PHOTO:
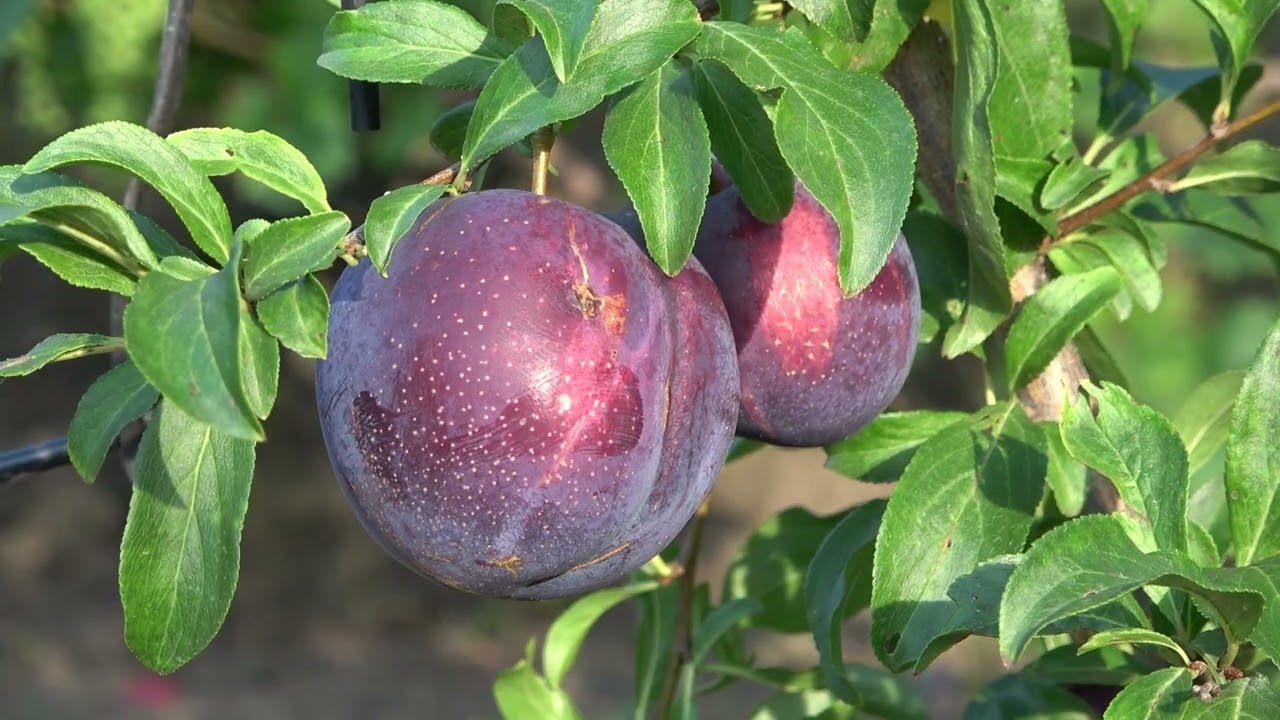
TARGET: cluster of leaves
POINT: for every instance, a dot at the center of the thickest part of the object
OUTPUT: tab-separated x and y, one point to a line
202	339
767	103
778	91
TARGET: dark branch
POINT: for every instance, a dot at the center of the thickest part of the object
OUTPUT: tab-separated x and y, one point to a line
33	458
366	111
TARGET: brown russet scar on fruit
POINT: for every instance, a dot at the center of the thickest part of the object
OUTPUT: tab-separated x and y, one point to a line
510	563
601	558
614	312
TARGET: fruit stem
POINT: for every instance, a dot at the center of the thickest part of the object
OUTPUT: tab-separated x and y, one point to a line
543	140
682	648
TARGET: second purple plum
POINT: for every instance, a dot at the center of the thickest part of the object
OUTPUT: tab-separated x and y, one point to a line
815	366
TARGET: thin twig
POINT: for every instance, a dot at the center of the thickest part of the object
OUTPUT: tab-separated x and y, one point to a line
170	76
682	646
1153	179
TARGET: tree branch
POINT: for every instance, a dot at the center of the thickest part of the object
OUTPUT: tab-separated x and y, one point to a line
1153	179
682	646
923	74
33	458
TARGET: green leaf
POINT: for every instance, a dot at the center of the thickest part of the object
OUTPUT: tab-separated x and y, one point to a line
655	633
449	131
1167	695
1030	104
628	40
1230	217
184	337
1027	697
180	556
1133	636
564	27
1253	457
836	584
1065	476
1262	577
1068	180
113	401
144	154
523	694
164	244
1238	24
1092	560
67	258
940	253
1168	689
1098	359
880	451
989	301
770	567
891	21
832	16
742	140
63	346
1125	17
1139	450
1051	317
1205	416
1105	666
827	119
985	488
1251	167
298	316
656	140
977	596
885	697
719	622
1130	257
411	41
566	634
1202	97
78	212
260	155
250	229
291	248
392	216
260	357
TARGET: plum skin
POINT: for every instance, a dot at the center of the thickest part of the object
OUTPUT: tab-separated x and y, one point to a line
525	407
815	366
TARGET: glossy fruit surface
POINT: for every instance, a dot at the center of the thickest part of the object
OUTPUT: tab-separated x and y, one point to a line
526	407
815	366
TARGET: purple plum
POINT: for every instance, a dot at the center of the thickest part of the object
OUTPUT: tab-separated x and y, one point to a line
526	407
815	366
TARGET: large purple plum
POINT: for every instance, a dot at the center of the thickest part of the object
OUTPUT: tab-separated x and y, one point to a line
526	406
815	366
